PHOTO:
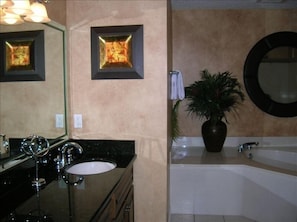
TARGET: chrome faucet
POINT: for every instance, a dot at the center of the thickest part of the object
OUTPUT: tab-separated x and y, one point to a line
66	155
4	146
247	146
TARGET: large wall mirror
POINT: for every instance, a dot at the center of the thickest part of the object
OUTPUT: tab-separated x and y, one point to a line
270	74
37	107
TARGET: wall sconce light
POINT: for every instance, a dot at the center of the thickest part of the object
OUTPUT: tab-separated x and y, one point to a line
13	12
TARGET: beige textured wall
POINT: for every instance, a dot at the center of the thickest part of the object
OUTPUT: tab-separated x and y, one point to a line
219	40
125	109
56	11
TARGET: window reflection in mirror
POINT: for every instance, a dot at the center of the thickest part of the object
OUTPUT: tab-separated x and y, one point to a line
278	74
30	107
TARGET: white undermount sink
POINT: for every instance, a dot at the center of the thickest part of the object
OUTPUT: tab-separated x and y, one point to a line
91	167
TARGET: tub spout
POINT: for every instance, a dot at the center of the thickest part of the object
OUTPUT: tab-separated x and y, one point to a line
247	146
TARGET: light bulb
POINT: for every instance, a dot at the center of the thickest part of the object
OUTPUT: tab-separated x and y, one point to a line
39	13
11	19
20	7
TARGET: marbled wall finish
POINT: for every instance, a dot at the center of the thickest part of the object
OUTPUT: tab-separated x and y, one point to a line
219	40
134	109
56	11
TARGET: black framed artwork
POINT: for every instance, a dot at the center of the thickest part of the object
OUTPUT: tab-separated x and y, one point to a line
117	52
22	56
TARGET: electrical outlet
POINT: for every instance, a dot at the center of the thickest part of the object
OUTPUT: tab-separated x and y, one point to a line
59	121
77	120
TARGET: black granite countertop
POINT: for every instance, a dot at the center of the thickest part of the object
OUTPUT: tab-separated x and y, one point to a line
60	201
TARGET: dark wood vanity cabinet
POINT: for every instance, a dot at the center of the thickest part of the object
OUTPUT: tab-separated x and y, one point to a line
119	206
126	212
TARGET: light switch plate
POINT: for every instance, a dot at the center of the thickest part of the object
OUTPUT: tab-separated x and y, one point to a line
77	120
59	121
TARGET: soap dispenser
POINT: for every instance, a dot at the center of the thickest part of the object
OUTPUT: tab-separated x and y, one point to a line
4	147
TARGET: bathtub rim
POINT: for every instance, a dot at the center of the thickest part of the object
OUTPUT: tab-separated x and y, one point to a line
235	158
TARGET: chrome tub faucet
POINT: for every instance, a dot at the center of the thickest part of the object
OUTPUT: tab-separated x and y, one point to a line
247	146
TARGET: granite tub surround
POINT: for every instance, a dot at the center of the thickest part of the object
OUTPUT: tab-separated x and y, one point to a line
59	200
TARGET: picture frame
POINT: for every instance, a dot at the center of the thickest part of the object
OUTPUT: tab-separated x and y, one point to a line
117	52
22	56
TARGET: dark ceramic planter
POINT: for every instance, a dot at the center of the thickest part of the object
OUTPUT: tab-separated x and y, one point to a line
214	135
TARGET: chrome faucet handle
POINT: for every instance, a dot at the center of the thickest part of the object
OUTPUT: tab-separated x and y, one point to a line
248	145
240	148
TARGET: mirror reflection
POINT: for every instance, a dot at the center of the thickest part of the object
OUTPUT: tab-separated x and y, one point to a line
270	74
278	74
37	107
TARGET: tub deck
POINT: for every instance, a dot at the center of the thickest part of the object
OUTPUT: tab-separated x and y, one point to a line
229	155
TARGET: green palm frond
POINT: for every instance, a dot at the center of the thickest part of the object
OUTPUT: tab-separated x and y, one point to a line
175	131
214	95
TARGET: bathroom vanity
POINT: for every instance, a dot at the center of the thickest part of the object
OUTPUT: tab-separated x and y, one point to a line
66	197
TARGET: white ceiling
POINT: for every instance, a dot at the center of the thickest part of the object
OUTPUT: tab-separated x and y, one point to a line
232	4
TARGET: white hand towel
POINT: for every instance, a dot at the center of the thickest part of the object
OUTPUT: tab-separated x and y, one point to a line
180	86
177	86
173	94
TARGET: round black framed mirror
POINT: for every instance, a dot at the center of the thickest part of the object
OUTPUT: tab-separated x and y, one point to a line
270	74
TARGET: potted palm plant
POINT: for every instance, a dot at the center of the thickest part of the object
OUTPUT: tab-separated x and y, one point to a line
211	98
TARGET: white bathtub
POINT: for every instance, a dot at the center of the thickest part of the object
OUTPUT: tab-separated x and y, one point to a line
285	158
234	189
